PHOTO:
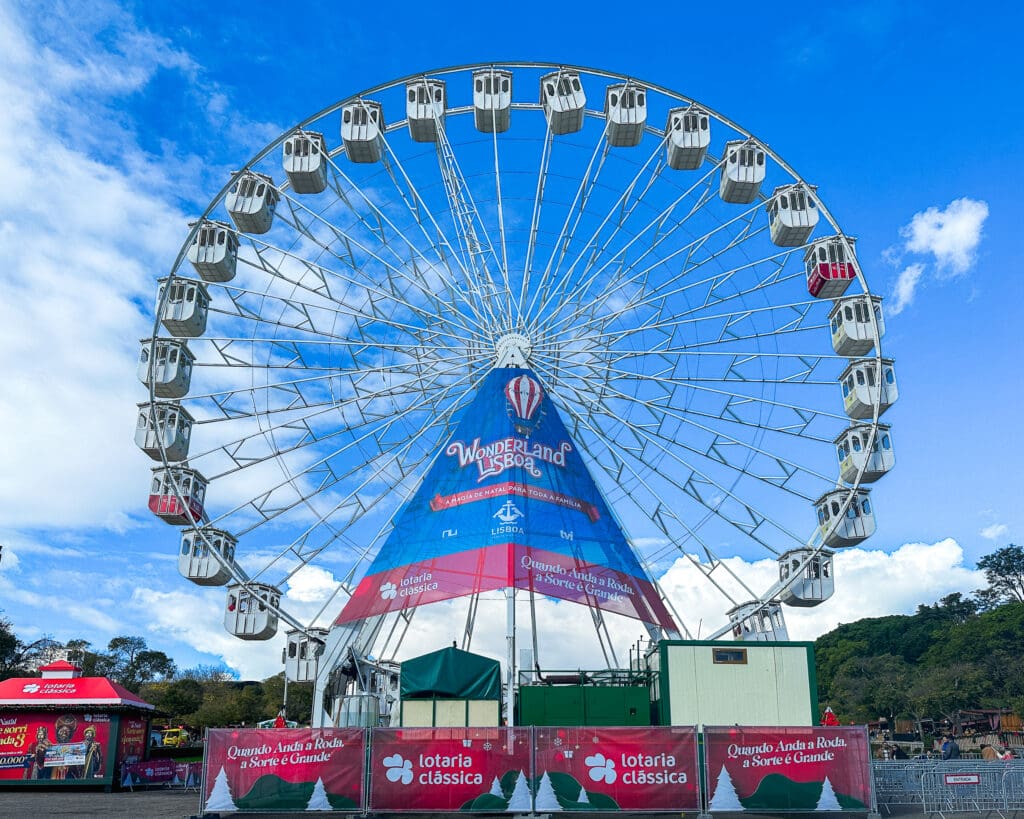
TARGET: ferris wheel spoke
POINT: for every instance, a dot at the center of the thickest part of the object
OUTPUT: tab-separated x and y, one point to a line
665	380
474	238
587	180
355	507
600	300
747	519
316	354
445	281
790	319
590	273
711	299
289	392
538	200
319	320
322	473
338	176
656	510
595	242
511	321
373	298
393	275
356	411
418	208
721	444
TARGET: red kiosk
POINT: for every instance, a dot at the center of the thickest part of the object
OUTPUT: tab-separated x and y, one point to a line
66	729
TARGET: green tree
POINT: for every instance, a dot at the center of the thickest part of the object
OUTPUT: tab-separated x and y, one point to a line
1004	571
869	687
129	661
18	658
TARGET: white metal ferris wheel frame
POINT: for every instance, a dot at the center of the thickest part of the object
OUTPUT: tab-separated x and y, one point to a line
814	544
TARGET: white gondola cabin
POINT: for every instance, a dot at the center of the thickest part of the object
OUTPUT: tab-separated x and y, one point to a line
492	100
839	528
177	494
197	561
214	251
170	371
758	622
425	104
864	386
830	264
689	135
743	171
850	320
165	425
792	214
563	101
855	454
362	131
625	108
301	653
252	201
248	614
186	309
809	576
305	161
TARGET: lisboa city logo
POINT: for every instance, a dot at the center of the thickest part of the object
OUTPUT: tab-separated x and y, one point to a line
635	769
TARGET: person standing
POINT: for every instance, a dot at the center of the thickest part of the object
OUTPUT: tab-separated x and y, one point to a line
950	750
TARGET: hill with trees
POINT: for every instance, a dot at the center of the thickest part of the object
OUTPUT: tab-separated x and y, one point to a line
963	652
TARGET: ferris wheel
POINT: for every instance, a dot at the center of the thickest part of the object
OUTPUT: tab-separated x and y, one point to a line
684	300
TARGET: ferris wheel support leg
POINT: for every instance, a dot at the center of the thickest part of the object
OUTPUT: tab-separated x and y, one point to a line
510	644
343	643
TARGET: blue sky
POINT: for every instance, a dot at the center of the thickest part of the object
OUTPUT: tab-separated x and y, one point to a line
124	121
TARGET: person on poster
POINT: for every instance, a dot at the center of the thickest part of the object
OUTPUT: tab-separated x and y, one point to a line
37	756
829	718
93	767
64	728
279	721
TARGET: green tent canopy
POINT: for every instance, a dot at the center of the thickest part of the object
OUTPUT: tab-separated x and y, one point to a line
451	673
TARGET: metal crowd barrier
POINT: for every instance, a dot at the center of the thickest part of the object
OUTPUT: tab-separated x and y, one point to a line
939	787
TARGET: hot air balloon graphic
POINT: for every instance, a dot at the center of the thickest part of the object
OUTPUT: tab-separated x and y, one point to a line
525	396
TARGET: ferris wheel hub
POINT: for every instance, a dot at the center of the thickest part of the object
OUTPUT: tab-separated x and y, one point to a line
513	350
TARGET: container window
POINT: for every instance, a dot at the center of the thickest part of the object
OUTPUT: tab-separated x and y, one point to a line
886	443
866	506
729	656
860	377
821	516
890	377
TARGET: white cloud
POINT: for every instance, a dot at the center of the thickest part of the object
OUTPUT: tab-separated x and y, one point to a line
994	532
951	235
903	293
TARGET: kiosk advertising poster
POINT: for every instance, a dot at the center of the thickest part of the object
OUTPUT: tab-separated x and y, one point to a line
52	748
616	769
284	769
131	745
793	769
443	769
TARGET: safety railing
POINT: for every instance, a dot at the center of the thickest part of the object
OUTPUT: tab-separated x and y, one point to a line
941	787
